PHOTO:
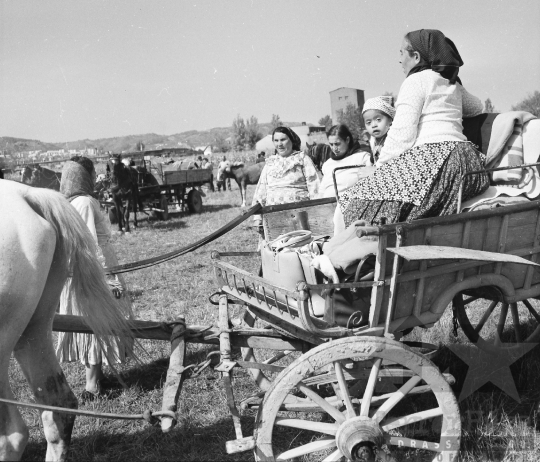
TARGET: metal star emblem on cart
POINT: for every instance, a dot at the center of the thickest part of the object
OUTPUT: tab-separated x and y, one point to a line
487	367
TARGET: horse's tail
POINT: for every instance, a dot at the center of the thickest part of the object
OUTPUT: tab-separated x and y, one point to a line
76	250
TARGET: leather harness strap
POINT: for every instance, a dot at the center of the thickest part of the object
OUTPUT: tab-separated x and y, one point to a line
137	265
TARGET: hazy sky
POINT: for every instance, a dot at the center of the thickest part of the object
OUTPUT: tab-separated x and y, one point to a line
96	69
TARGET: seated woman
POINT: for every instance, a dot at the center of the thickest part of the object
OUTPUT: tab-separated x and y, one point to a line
346	152
425	154
289	175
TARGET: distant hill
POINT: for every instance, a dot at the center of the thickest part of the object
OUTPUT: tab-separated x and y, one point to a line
191	138
11	145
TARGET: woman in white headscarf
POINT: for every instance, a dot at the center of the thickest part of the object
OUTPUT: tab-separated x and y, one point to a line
78	179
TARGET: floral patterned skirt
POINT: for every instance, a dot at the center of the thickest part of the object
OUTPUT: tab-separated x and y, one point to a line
422	182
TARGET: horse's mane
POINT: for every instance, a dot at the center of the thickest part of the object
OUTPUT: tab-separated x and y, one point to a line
237	164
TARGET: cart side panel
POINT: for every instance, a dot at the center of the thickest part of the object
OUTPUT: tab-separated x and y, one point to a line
175	176
198	175
420	283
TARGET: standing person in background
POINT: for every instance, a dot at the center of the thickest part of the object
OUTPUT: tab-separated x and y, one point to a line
288	176
78	179
221	180
206	164
261	157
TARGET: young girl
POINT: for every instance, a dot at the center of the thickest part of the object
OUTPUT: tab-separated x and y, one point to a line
378	115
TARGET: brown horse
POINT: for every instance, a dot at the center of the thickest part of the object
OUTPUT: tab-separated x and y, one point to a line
41	177
243	176
44	241
123	188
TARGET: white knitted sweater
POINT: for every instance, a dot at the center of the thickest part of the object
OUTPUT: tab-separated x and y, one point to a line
428	110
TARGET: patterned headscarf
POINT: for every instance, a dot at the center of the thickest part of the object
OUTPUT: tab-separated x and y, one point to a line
385	104
437	53
296	141
76	181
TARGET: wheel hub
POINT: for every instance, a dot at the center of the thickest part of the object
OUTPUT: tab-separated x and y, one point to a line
357	438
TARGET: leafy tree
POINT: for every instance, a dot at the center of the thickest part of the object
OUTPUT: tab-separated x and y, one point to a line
220	143
239	133
252	132
140	146
276	122
530	104
352	117
488	106
326	121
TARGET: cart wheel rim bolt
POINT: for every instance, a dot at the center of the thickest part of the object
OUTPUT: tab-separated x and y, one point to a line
357	437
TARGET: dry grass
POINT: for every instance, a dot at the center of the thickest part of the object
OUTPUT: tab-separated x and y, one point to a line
495	427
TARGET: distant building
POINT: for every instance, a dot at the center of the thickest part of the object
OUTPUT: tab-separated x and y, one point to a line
340	98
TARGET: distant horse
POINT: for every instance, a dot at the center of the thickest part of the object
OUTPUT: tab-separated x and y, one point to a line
43	242
124	188
41	177
243	176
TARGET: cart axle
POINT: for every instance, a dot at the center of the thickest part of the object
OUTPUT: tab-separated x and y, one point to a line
357	438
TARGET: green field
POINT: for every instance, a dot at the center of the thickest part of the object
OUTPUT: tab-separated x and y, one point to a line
495	426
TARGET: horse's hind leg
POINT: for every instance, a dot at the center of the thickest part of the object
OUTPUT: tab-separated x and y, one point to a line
35	353
119	212
13	430
126	216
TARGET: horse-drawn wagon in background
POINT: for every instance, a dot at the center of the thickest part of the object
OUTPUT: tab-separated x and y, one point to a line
181	187
158	189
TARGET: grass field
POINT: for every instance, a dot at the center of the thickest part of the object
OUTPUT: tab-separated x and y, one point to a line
495	426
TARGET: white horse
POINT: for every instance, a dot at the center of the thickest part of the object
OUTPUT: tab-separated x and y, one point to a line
43	240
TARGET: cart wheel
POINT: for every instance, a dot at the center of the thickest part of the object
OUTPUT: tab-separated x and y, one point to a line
194	201
113	218
521	319
164	205
351	410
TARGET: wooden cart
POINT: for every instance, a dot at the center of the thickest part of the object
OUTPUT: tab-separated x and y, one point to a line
357	392
180	187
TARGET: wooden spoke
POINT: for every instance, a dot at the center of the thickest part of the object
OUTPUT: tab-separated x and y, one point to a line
396	397
418	444
344	389
515	320
320	427
370	388
532	310
500	323
277	357
325	405
470	300
485	317
397	422
308	448
336	455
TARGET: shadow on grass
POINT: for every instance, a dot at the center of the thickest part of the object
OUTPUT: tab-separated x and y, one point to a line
153	375
188	441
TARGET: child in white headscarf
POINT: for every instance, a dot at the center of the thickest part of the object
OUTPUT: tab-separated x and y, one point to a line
378	115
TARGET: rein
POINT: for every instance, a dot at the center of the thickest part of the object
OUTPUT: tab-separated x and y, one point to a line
137	265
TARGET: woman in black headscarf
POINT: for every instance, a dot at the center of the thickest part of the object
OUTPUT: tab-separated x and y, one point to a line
425	153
